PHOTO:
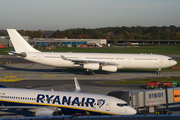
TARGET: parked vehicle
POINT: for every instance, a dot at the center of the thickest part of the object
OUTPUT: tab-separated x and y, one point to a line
168	84
153	84
157	84
174	83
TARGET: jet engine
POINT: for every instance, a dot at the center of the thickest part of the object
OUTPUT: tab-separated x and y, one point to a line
110	68
91	66
47	112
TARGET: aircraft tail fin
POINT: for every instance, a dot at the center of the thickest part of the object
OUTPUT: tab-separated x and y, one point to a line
78	89
19	43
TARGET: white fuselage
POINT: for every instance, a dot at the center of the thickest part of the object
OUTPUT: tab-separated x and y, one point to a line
67	102
90	61
147	61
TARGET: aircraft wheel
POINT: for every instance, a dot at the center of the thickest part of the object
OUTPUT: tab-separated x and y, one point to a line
90	72
158	72
87	73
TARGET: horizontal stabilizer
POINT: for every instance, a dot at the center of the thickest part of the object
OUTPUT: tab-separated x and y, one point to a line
22	54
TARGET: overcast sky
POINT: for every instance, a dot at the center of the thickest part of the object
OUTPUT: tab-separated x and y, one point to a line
66	14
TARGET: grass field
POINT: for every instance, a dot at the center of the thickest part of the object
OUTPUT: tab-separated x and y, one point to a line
171	49
143	81
143	49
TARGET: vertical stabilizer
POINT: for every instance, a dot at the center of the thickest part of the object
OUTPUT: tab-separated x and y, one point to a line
78	89
19	43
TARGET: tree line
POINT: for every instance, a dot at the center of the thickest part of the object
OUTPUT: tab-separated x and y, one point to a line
113	33
138	32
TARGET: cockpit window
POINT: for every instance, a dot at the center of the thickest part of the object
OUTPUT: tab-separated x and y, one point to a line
121	105
170	59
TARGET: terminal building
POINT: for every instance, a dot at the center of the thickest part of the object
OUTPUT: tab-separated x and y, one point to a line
56	42
59	42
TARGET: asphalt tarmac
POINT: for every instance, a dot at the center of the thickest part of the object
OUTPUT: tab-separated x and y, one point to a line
18	73
26	74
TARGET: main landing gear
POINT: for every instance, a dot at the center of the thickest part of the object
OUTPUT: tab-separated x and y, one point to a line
89	72
159	71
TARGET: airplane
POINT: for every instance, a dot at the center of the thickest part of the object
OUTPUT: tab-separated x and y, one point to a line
50	102
90	61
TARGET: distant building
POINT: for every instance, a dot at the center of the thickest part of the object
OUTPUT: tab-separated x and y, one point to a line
66	42
4	37
5	40
143	42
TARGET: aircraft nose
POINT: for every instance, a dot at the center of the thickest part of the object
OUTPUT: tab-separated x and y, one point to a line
174	62
131	111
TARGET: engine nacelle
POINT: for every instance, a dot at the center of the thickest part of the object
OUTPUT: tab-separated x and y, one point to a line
110	68
47	112
92	66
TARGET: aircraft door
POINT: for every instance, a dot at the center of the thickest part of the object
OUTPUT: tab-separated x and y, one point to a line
40	56
129	58
108	103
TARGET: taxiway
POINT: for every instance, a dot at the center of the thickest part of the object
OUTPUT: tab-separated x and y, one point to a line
18	73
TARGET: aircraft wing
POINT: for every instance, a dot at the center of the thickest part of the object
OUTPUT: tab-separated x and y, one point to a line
78	61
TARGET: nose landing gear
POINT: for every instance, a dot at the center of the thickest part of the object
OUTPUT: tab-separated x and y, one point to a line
159	71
